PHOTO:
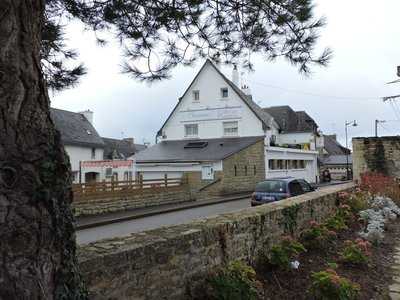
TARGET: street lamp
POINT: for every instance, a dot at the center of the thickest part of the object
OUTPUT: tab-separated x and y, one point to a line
354	124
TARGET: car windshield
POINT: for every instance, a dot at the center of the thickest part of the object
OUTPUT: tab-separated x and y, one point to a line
271	186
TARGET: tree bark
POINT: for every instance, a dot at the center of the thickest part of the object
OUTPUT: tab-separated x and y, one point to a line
37	237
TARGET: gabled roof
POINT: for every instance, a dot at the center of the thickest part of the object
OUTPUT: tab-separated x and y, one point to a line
75	129
120	149
262	115
211	150
332	146
291	121
337	160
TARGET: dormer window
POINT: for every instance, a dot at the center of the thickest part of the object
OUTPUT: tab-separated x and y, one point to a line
224	93
196	95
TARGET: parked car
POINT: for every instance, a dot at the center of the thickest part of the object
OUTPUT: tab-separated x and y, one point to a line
277	189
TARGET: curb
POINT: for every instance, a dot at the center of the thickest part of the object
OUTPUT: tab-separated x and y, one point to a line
158	212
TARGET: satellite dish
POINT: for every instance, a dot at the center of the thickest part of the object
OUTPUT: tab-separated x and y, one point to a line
398	71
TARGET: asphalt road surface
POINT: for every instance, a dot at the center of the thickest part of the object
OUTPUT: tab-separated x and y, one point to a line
125	228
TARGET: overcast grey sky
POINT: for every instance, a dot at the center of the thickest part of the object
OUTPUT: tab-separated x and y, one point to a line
364	36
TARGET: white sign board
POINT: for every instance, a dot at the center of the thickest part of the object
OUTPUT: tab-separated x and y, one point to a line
211	114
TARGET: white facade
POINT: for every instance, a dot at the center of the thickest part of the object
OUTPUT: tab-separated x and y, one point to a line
305	161
302	138
107	170
79	153
174	170
211	108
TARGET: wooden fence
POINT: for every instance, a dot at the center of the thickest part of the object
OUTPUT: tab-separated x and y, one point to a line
112	189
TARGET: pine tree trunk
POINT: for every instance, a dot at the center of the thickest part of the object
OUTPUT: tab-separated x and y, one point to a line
37	240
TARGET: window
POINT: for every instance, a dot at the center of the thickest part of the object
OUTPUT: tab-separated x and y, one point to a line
191	130
280	164
271	164
245	170
254	169
93	153
271	186
235	170
196	95
128	175
295	188
115	176
224	93
207	173
231	128
305	186
302	164
294	164
108	172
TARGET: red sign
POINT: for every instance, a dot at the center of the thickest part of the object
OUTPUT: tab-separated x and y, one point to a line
107	163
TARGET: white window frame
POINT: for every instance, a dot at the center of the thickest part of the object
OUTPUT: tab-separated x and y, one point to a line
230	128
196	98
195	132
207	172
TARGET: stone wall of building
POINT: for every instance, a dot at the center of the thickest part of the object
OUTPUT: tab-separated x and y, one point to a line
173	262
376	154
250	169
229	181
138	199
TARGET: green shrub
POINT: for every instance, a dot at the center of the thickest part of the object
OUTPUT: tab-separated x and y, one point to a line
235	282
356	200
340	219
356	252
317	236
336	223
285	252
328	285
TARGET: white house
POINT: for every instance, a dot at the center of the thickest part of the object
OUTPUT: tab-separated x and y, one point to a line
92	157
213	110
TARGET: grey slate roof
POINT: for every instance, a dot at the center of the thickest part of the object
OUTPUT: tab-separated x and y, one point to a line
75	129
332	146
175	151
336	160
291	121
262	115
120	149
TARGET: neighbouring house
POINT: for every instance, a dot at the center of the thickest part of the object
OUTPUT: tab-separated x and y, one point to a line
334	157
214	115
81	141
296	128
93	158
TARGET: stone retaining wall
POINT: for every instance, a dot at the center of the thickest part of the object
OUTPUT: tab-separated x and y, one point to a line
376	154
172	262
145	198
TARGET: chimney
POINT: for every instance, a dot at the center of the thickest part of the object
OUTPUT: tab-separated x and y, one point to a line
235	75
88	115
130	141
246	90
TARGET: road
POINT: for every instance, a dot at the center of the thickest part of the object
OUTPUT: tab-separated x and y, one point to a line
125	228
85	236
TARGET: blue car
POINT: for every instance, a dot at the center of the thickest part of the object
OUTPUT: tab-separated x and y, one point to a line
277	189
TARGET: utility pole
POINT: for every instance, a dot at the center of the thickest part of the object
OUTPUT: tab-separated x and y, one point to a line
376	126
394	97
346	124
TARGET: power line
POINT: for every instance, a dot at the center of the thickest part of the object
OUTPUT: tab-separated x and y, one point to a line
315	94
